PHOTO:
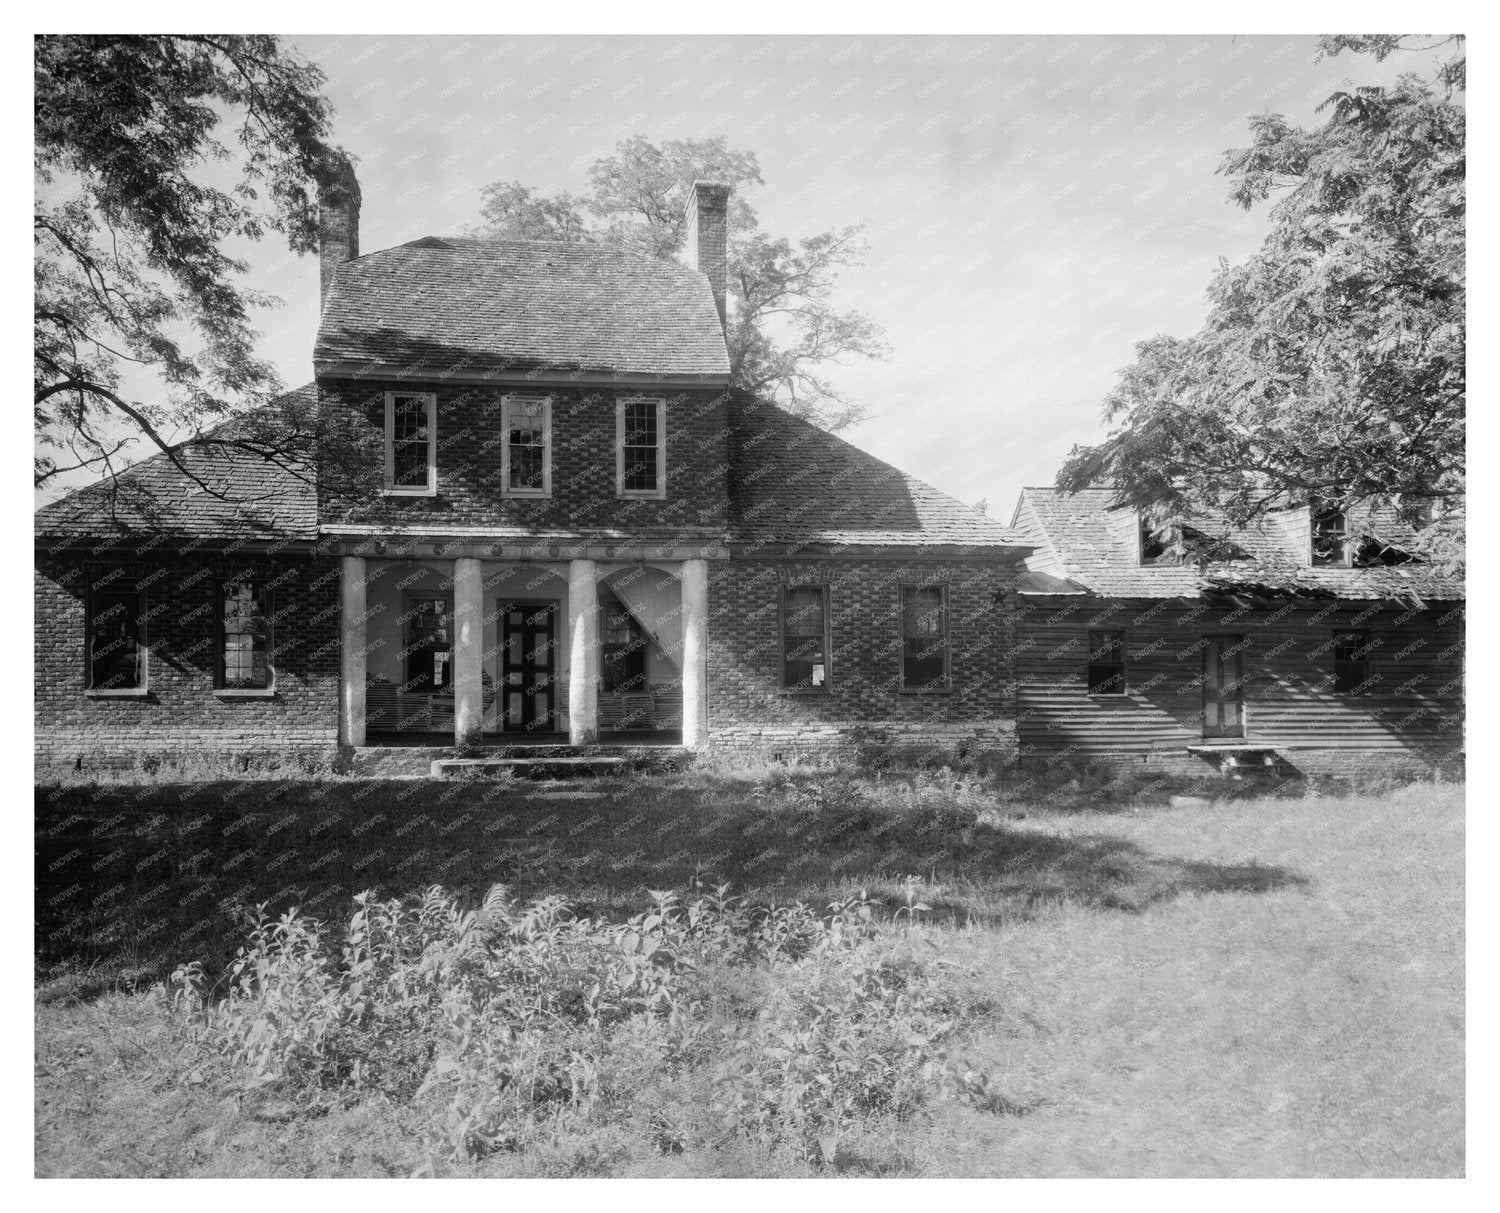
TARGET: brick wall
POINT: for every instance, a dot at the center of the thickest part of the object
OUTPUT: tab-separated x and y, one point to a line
863	703
181	715
583	460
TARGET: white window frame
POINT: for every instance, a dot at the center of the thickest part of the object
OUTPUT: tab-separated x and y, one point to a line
393	489
506	488
660	491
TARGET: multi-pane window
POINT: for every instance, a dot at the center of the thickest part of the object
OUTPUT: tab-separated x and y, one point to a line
1351	662
429	645
528	446
924	638
245	651
624	649
804	638
641	447
410	442
1330	537
1106	672
117	639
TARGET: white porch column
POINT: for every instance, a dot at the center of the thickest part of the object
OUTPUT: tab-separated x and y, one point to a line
583	653
468	653
694	652
352	651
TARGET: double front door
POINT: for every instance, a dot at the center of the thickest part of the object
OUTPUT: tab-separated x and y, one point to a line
528	667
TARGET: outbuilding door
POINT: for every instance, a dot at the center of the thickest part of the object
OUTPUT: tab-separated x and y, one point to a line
528	667
1223	687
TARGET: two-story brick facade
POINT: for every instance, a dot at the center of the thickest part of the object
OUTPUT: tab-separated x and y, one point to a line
579	533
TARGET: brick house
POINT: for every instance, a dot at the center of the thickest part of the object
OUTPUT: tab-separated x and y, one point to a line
581	535
1301	645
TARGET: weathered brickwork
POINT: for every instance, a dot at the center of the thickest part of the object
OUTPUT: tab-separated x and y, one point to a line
864	702
583	498
180	714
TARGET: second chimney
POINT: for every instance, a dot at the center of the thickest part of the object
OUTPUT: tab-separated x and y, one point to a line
338	224
705	245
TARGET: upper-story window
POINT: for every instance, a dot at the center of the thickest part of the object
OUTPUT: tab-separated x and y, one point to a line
641	446
526	446
924	638
411	443
117	640
1330	537
1157	543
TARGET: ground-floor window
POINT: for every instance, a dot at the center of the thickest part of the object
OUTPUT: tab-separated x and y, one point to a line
1351	661
924	638
245	641
117	639
804	638
429	645
624	650
1106	672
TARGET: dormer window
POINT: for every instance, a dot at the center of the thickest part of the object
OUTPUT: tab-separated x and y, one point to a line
526	446
1157	543
1330	537
411	444
641	446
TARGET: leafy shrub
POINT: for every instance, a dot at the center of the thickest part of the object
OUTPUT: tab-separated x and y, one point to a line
503	1022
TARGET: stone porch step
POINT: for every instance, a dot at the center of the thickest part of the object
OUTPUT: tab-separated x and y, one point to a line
556	766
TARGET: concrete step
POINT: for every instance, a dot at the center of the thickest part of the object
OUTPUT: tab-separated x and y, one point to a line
557	766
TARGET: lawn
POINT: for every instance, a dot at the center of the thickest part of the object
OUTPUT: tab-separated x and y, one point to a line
1256	987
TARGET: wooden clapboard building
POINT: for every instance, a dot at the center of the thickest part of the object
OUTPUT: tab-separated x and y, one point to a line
1301	645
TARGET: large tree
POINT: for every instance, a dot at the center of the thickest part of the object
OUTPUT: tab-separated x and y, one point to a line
131	270
1331	366
784	332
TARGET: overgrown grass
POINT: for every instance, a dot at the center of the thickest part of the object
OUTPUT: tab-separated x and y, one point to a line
1260	987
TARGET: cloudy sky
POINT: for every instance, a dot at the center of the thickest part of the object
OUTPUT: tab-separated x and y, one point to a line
1034	206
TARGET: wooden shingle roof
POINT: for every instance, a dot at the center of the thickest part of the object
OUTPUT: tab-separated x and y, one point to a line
153	499
452	303
792	483
1079	537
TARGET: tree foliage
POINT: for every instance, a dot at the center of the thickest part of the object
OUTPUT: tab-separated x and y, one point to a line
784	332
131	272
1331	366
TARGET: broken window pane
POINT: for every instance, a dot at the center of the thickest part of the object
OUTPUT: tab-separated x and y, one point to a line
1106	666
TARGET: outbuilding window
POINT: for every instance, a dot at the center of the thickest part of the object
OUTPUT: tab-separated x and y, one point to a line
1351	662
924	638
1330	537
1106	672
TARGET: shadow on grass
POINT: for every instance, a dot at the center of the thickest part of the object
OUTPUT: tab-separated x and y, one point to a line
132	881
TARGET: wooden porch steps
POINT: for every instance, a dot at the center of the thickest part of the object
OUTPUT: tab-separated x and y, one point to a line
1239	760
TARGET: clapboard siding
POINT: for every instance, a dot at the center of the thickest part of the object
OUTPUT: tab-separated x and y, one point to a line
1413	708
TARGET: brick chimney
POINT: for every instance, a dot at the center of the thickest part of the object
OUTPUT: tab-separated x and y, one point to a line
705	245
338	224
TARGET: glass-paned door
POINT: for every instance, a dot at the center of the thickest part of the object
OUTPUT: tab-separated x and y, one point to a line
528	667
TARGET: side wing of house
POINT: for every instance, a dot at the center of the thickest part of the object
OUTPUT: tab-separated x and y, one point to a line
1131	664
